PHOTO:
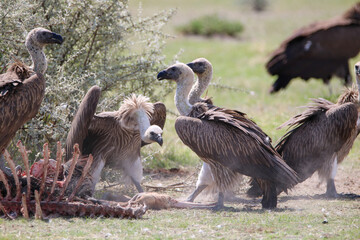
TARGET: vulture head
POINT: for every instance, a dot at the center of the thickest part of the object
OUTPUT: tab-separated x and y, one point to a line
41	36
153	134
178	72
200	66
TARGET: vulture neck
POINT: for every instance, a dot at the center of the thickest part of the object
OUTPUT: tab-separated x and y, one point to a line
181	96
37	55
200	86
143	122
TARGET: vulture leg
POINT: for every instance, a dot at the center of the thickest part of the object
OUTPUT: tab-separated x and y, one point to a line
137	185
254	191
133	170
269	199
330	187
280	83
196	192
344	73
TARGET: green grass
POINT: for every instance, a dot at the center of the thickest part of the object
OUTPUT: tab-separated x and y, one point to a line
238	64
195	224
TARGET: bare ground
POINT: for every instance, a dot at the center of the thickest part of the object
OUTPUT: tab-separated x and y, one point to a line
179	183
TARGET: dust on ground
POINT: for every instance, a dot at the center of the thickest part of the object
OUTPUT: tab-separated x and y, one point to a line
180	182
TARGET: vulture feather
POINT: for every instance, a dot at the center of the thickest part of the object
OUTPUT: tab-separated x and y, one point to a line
321	137
115	138
319	50
226	139
22	89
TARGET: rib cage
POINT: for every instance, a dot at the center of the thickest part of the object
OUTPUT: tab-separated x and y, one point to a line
47	198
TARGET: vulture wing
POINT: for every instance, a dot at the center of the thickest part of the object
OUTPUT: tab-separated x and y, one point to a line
19	100
81	122
225	137
317	134
102	134
158	117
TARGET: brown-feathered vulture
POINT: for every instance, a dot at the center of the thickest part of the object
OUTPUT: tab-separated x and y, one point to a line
206	181
224	138
115	138
22	88
322	136
319	50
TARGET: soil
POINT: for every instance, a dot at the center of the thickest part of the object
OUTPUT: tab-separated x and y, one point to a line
179	183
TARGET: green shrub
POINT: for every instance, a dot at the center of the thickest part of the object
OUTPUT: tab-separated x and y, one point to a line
211	25
104	45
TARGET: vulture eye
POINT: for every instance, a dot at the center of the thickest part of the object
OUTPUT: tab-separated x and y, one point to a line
152	133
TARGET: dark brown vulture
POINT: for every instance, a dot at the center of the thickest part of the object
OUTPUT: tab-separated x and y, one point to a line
321	137
319	50
22	89
206	182
115	138
225	138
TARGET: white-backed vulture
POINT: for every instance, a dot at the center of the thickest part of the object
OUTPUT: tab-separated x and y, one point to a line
206	181
224	138
319	50
115	138
321	137
22	88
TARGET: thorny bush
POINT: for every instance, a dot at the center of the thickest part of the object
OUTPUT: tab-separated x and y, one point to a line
104	45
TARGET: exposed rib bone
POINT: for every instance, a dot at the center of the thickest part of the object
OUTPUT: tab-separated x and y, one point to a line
2	208
7	187
38	211
81	180
71	170
59	154
24	209
11	208
13	170
45	168
25	159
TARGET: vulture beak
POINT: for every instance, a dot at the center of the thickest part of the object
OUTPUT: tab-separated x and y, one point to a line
191	65
162	75
158	138
196	68
56	38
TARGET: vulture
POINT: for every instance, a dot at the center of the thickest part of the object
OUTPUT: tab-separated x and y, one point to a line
22	88
225	138
206	181
319	50
321	137
114	138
